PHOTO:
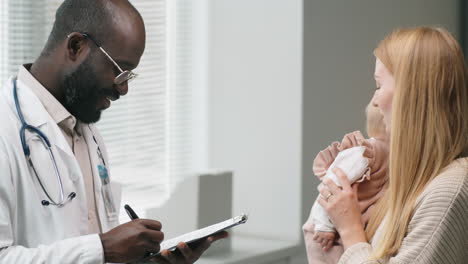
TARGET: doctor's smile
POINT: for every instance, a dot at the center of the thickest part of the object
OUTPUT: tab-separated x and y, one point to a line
105	100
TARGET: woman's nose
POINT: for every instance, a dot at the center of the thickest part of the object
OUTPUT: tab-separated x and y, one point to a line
375	99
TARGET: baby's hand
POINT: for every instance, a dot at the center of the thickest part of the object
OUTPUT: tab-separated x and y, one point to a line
325	239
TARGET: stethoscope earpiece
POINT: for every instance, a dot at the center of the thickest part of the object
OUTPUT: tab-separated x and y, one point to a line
45	203
72	195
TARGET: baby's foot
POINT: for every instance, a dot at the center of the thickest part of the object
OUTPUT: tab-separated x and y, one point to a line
325	239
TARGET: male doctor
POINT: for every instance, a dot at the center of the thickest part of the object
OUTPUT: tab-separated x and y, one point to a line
56	199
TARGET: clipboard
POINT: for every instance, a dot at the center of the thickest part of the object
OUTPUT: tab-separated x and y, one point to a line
193	236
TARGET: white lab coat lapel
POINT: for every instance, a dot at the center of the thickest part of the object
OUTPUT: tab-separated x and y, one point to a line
73	171
36	115
94	140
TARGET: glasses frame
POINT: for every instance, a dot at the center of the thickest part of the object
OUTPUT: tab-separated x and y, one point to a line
124	76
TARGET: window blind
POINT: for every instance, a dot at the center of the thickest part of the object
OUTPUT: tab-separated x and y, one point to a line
3	41
147	132
22	34
135	127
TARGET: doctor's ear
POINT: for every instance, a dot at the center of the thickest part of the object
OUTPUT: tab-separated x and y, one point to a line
77	45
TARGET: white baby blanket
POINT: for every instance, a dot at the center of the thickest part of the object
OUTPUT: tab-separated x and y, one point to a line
354	165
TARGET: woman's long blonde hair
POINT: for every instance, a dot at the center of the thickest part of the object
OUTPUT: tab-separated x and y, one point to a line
429	125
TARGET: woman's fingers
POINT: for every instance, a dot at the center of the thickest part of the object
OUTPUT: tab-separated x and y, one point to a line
322	202
342	178
324	193
331	186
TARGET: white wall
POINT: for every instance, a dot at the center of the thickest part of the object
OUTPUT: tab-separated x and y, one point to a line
339	37
255	87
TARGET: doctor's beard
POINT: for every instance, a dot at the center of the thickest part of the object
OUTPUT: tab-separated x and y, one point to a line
82	92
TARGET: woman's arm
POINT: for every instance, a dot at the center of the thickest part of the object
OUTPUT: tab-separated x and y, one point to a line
438	231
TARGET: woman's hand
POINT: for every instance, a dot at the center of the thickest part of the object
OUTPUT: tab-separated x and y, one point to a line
343	208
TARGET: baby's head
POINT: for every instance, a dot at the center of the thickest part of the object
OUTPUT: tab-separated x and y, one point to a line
375	123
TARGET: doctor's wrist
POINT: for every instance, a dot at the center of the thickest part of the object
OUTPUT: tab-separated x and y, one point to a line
107	252
113	252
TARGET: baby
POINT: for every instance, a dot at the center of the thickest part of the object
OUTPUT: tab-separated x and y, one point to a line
364	161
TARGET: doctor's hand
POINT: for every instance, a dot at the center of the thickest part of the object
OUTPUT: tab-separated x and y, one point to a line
188	254
131	241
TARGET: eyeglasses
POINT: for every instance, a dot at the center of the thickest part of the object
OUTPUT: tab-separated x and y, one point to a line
124	76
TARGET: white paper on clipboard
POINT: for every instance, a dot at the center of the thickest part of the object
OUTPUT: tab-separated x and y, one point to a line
171	244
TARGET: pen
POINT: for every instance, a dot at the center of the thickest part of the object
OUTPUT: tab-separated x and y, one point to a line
130	212
134	216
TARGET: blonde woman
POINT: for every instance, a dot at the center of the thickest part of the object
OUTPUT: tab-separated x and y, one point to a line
423	217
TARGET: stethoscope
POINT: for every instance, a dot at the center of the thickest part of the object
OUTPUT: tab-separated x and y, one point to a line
27	152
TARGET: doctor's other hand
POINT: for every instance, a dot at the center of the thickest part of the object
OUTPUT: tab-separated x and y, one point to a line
188	254
131	241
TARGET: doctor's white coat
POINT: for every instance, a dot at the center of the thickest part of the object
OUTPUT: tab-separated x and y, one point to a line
29	231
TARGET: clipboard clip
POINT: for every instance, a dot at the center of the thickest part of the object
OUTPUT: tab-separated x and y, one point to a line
241	219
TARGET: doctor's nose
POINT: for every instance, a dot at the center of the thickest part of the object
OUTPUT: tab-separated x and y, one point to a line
122	88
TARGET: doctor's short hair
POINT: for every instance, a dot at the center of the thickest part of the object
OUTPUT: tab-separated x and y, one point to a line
91	16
